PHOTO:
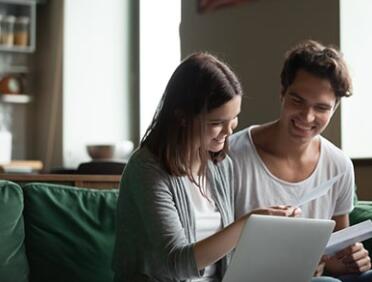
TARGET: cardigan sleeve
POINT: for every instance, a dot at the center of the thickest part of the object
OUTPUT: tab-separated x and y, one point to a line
169	254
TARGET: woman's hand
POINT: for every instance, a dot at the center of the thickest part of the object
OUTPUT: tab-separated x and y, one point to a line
280	210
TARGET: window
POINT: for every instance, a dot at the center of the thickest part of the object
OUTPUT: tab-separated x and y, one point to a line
95	72
159	52
356	44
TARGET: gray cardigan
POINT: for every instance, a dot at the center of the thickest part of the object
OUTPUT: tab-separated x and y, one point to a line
156	224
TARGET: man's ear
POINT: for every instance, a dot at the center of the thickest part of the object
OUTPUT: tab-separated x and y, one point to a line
338	102
282	93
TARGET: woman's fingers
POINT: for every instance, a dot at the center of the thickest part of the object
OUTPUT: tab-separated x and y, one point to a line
279	211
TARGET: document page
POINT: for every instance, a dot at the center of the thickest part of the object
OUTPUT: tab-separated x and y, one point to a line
319	191
348	236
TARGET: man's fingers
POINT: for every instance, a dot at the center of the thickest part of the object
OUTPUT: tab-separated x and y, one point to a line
360	254
355	258
349	250
360	265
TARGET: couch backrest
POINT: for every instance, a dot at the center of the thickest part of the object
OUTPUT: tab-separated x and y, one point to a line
13	261
69	232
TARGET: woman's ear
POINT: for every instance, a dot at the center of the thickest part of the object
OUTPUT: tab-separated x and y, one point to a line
180	117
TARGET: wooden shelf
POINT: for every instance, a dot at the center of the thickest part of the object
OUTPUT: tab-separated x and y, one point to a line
78	180
14	69
18	166
17	49
22	2
15	98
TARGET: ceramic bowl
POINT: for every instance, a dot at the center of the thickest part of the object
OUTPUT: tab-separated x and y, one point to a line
101	151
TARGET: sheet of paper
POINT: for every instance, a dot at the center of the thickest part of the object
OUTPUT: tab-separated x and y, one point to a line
319	191
348	236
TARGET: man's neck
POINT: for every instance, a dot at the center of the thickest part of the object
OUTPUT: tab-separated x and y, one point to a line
288	160
293	149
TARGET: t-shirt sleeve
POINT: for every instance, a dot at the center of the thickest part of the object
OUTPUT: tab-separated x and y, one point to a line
238	154
344	203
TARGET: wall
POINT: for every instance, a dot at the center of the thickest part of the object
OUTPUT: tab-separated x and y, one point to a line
45	118
363	169
252	37
133	75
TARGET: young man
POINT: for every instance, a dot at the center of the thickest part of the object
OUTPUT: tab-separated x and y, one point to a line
279	162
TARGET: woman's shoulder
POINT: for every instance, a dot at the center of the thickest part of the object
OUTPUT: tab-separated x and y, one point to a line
144	162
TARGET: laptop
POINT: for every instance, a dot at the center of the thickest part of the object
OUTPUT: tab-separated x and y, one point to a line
282	249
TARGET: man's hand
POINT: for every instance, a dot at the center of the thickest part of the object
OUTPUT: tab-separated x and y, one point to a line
353	259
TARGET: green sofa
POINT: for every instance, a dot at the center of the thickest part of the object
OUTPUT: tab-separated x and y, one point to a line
52	232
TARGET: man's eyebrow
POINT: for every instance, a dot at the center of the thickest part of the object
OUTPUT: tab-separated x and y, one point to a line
325	105
294	94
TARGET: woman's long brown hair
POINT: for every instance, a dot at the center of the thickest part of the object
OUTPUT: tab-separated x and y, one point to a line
200	84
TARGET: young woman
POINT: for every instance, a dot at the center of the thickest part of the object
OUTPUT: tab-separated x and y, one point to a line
176	202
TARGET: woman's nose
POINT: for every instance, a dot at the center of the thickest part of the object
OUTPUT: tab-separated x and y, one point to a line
228	128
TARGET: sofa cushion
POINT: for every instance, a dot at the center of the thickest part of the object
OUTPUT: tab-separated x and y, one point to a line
69	232
13	261
362	212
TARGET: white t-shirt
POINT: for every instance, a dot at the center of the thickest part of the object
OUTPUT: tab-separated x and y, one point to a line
207	222
256	187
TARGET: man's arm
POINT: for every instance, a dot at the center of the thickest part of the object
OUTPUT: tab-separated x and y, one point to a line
342	221
352	259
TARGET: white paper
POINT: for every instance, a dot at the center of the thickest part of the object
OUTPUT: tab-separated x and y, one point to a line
319	191
346	237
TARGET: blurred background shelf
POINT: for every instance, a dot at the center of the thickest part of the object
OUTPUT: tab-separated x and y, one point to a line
14	69
21	166
17	49
15	98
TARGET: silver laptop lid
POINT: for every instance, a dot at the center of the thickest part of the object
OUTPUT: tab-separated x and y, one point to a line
282	249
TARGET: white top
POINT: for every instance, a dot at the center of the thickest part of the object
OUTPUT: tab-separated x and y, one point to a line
256	187
207	222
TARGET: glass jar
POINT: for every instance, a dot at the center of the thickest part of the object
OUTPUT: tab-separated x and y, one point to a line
1	27
7	30
21	31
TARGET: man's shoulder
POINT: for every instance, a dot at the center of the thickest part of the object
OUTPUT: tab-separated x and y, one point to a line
239	140
334	154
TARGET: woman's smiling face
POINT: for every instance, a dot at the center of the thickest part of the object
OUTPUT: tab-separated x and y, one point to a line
221	122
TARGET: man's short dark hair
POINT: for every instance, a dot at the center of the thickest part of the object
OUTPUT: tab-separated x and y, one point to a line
322	61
